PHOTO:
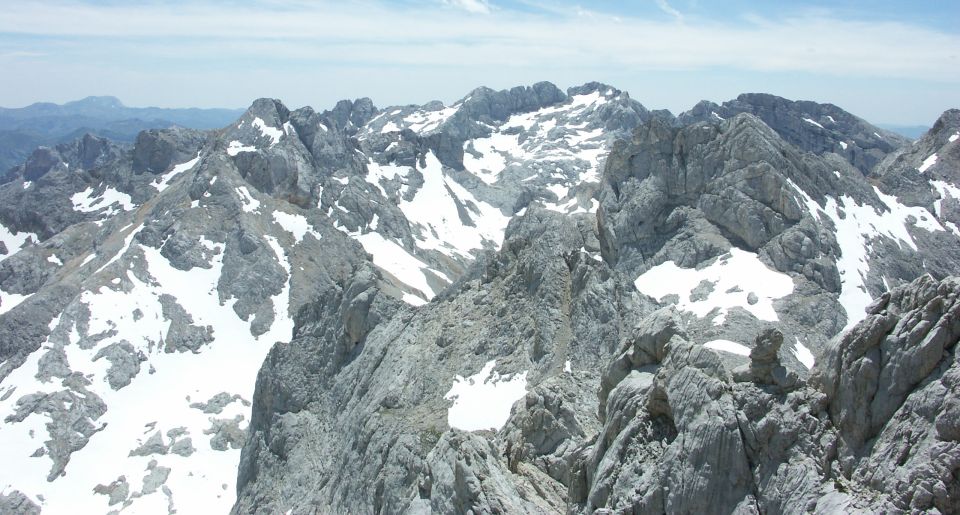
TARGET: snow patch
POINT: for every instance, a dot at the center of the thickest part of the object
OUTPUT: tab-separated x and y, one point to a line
14	241
946	190
134	313
86	202
248	203
282	328
856	225
728	346
483	400
377	173
434	210
297	225
398	262
236	147
803	354
493	153
267	131
426	121
9	301
732	277
812	122
164	180
927	163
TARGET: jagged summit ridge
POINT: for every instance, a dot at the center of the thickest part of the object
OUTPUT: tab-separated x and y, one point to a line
504	236
813	127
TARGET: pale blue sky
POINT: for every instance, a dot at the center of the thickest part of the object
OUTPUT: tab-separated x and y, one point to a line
888	61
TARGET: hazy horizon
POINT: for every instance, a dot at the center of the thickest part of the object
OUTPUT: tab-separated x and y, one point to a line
885	62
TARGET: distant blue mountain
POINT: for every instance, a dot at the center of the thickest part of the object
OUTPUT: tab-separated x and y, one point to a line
44	123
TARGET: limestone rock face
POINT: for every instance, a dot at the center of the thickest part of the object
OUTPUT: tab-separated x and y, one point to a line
530	300
838	441
812	127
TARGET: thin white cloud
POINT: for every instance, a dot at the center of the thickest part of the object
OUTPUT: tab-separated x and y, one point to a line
321	39
388	34
471	6
21	54
667	8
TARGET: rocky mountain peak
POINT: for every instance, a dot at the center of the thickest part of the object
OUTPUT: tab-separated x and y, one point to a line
155	151
485	103
98	102
524	301
811	126
947	124
594	87
354	113
268	109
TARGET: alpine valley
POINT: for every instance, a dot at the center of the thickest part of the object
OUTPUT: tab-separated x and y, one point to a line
529	301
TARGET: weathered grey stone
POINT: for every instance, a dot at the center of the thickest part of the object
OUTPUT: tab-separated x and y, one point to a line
153	445
16	503
226	433
124	363
118	491
624	409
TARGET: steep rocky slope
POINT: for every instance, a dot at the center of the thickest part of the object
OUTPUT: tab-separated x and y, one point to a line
145	272
423	268
711	405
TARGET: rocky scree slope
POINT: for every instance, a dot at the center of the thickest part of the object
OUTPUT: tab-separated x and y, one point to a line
424	260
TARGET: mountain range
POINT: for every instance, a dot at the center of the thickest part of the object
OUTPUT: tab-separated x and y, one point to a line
531	300
23	129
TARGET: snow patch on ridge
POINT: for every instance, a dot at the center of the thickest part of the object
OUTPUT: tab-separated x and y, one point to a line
267	131
856	226
377	173
164	180
248	203
9	301
426	121
488	157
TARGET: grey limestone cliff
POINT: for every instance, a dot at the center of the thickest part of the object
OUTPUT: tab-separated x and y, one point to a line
530	300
